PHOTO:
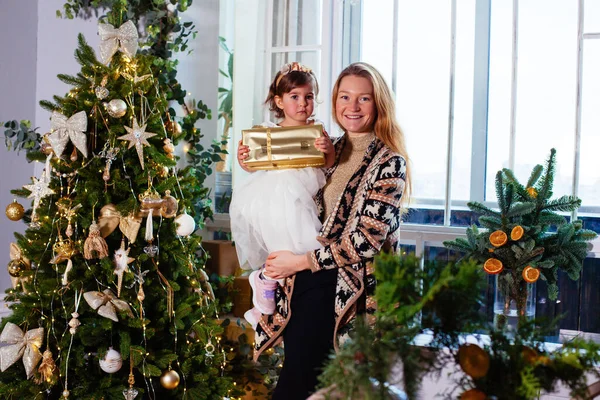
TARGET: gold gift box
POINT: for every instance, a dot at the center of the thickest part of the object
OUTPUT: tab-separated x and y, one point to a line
283	147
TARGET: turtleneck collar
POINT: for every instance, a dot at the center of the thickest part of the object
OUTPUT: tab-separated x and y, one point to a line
360	141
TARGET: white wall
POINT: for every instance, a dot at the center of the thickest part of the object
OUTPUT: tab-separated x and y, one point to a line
36	46
18	46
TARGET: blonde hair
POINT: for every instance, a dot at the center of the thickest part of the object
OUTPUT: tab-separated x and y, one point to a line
386	126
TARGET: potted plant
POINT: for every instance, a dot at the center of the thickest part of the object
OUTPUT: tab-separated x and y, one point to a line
525	239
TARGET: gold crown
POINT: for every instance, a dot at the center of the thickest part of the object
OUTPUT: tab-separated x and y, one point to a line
293	66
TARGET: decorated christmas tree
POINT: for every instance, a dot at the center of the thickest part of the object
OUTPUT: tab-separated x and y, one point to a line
526	238
110	298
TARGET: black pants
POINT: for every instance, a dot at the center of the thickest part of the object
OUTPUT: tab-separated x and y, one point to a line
308	336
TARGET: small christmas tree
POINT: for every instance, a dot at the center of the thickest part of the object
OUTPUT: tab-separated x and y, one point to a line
526	238
110	298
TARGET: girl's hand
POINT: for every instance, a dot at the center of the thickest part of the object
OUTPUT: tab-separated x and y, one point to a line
324	144
281	264
242	154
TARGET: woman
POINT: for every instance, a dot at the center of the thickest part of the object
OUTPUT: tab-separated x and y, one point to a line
362	202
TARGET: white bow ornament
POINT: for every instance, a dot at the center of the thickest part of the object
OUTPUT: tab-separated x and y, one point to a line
125	39
64	128
26	345
107	304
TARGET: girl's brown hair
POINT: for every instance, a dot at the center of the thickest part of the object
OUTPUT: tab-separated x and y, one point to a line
291	76
386	126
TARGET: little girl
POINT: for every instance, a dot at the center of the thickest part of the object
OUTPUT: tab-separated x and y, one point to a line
274	210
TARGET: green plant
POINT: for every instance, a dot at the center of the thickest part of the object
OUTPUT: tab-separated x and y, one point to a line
446	297
526	238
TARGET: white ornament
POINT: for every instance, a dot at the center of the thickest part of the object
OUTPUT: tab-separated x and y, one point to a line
112	361
185	225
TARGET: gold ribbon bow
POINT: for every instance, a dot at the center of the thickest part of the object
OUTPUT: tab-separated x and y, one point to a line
125	39
26	345
64	128
107	304
110	218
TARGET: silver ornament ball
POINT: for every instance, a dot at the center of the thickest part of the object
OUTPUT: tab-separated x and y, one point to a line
116	108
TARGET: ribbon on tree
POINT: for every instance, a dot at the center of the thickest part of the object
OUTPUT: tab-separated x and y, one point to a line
110	218
26	345
124	39
107	304
72	128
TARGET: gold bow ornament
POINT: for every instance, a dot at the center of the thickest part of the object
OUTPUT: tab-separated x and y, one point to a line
107	304
19	344
72	128
124	38
64	250
17	264
110	218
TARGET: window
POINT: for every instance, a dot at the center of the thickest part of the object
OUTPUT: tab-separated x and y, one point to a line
480	85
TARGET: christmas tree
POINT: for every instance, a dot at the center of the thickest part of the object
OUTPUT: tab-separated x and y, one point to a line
526	238
110	298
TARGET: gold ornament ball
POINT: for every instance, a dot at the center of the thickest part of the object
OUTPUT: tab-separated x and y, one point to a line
15	267
14	211
174	127
169	379
46	145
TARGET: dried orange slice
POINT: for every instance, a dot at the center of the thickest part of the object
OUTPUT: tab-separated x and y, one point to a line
529	355
473	360
517	232
493	266
531	274
498	238
473	394
532	192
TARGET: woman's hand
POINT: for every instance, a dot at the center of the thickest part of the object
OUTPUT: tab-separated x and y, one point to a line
242	154
281	264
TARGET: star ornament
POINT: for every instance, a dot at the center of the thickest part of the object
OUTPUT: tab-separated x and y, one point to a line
137	136
39	189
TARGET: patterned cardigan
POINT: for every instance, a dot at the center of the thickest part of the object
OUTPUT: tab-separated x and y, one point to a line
365	219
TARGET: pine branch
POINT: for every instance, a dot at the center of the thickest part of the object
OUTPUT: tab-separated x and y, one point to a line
72	80
492	223
520	209
550	218
564	203
49	106
535	175
547	179
502	201
479	208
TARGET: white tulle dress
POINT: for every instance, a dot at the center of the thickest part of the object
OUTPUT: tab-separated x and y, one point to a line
275	210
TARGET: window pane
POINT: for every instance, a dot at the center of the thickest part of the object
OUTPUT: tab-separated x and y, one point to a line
377	35
591	20
310	59
545	108
547	88
589	181
499	92
296	22
422	91
463	100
